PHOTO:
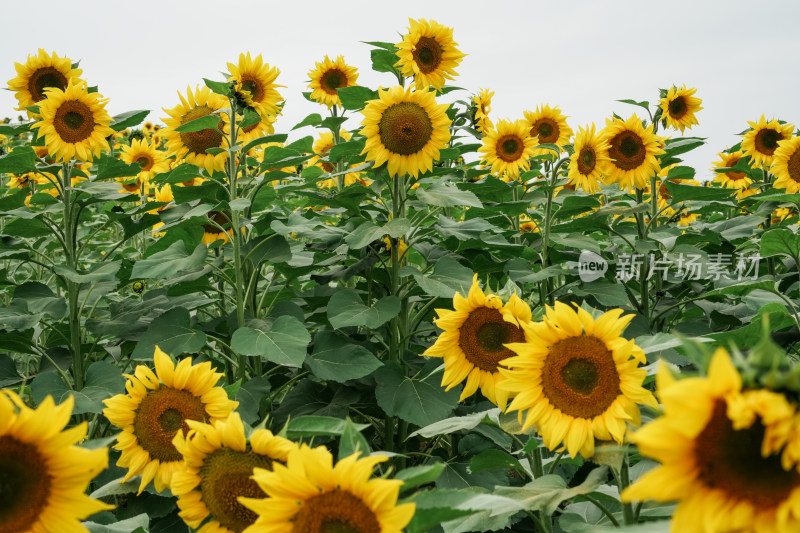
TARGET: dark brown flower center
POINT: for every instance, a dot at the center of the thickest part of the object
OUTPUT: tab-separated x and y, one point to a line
546	129
336	511
220	218
74	121
580	377
427	54
766	141
405	128
252	86
677	107
160	415
145	162
587	160
793	165
509	148
44	78
482	336
627	150
730	460
734	176
333	79
132	186
25	484
199	141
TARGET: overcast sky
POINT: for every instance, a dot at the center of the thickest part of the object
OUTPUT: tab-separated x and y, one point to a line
580	55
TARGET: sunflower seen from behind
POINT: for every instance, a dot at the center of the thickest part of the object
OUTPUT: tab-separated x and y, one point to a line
472	344
218	466
679	106
327	76
74	123
39	73
590	158
508	148
549	126
786	165
255	84
633	151
43	474
428	53
577	379
722	454
156	407
312	495
405	129
761	140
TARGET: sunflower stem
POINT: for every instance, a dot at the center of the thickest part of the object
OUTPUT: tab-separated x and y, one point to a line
623	480
548	215
644	282
236	235
73	289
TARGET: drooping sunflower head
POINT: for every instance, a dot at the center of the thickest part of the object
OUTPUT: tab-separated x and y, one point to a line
473	343
633	151
589	160
731	180
549	126
327	76
218	469
74	122
43	474
192	146
481	106
679	106
255	83
428	53
508	148
151	160
786	165
312	495
405	129
577	378
761	141
38	74
156	407
723	454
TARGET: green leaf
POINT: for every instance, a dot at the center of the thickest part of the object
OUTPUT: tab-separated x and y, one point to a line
418	401
681	192
682	145
546	493
448	277
311	426
99	272
250	396
219	87
445	195
138	524
169	262
336	358
21	160
110	167
103	380
206	122
464	229
311	120
284	342
346	150
457	423
644	104
354	98
116	487
493	459
383	60
128	119
345	308
780	241
750	334
273	248
352	441
427	518
172	333
8	369
419	475
606	293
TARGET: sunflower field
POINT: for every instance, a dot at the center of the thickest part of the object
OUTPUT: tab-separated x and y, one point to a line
412	316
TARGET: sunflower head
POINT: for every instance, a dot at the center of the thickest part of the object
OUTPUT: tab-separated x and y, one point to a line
481	106
589	160
255	83
633	152
428	53
37	75
508	148
733	179
761	140
549	126
327	76
679	106
405	129
786	165
151	160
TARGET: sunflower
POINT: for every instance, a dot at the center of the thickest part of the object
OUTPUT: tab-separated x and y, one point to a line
265	126
633	152
679	106
193	145
473	341
156	407
481	106
428	52
311	495
323	145
211	230
43	475
164	195
549	126
151	160
74	122
578	378
405	129
38	74
217	469
719	450
328	76
591	157
255	82
786	165
731	180
761	141
508	148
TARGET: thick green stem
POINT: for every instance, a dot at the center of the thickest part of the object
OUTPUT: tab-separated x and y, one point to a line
644	283
236	233
73	289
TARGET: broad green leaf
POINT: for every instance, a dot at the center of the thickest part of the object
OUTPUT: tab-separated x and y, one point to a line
457	423
355	97
681	192
311	426
250	395
427	518
346	150
103	380
218	87
546	493
99	272
419	475
445	195
346	308
418	401
206	122
128	119
283	342
311	120
780	241
493	459
448	277
110	167
352	441
336	358
169	262
172	333
8	369
138	524
463	229
21	160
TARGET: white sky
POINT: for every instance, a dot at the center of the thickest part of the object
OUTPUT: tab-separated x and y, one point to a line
580	55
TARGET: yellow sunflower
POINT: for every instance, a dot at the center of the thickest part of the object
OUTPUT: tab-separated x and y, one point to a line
590	158
761	141
719	450
549	126
634	152
255	82
312	495
192	146
731	180
156	407
328	76
786	165
161	194
211	231
474	338
428	53
508	148
38	74
481	106
43	475
679	106
405	129
323	145
151	160
218	468
265	126
74	122
578	378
